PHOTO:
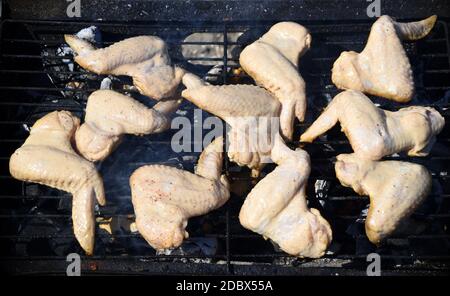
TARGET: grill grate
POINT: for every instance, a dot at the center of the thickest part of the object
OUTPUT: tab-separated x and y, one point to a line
35	231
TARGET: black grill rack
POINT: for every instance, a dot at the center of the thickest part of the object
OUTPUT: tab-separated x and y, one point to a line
35	231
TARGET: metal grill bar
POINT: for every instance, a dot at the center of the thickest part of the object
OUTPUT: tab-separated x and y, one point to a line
313	176
234	236
110	257
226	164
332	198
107	215
229	43
279	255
90	90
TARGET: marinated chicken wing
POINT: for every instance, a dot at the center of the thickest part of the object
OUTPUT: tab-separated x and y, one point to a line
382	68
144	58
164	197
109	115
395	189
373	132
47	158
276	207
251	111
272	61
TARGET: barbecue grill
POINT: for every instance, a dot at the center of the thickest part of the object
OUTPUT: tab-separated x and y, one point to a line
37	77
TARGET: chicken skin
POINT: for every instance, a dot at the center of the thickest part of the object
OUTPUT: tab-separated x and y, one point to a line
276	207
251	111
395	189
374	133
109	115
144	58
164	197
47	158
382	68
272	61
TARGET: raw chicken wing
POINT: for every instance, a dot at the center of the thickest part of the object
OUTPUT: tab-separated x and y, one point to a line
395	189
144	58
375	133
276	207
109	115
47	158
382	68
272	61
164	197
251	111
